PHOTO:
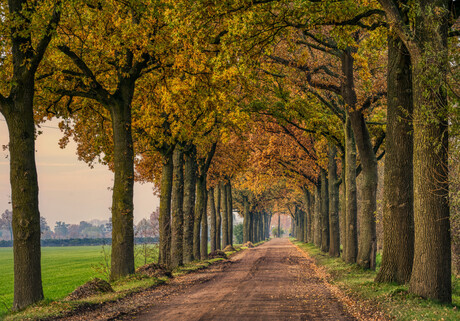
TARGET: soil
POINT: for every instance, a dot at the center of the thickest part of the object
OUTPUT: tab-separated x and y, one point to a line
154	270
274	281
229	248
95	286
217	254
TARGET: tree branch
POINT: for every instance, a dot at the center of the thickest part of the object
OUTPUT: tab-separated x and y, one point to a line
396	20
44	42
356	21
102	95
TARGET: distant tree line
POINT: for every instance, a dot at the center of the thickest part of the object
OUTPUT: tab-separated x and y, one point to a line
84	233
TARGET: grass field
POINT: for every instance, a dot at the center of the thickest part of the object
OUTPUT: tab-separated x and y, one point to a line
63	269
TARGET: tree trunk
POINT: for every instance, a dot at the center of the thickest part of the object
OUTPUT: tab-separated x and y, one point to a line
343	209
398	213
177	214
165	210
122	259
24	194
302	224
256	227
367	243
212	213
251	227
311	202
334	239
306	195
189	204
297	223
431	271
201	207
324	212
224	205
279	225
261	226
317	218
351	237
245	219
218	219
229	212
367	236
18	110
197	223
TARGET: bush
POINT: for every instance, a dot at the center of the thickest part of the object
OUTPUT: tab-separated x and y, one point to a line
238	233
275	231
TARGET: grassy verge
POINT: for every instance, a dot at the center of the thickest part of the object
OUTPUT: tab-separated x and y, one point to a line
64	269
394	300
55	306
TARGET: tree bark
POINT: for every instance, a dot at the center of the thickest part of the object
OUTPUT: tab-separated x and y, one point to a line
431	271
165	210
324	212
24	194
343	209
311	200
256	227
201	206
398	213
18	109
212	214
251	227
297	224
351	238
302	224
307	222
367	245
367	242
189	203
122	262
218	219
246	219
317	218
261	226
197	222
224	205
229	212
177	214
279	225
334	238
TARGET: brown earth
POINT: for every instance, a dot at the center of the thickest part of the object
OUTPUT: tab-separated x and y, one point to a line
274	281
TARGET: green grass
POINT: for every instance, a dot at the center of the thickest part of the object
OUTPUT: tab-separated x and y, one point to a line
393	299
63	270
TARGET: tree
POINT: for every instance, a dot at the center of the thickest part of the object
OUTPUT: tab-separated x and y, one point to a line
6	222
44	227
398	211
29	28
122	53
426	41
61	230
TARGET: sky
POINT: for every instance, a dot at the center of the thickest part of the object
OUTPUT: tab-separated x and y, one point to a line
69	190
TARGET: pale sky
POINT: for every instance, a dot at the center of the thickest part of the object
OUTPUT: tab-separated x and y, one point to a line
69	190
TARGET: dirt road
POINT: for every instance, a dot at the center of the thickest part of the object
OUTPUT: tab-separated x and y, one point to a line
271	282
274	281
